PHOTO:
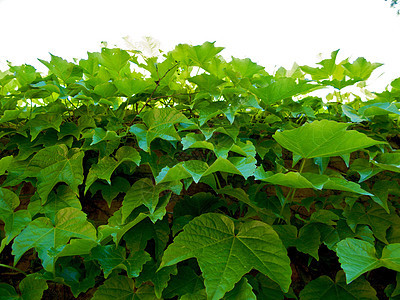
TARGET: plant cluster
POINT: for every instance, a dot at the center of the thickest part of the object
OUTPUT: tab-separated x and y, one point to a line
186	176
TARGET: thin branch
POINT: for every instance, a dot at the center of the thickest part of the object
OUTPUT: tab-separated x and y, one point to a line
14	268
152	93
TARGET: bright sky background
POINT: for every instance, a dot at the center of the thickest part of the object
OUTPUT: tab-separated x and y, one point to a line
270	32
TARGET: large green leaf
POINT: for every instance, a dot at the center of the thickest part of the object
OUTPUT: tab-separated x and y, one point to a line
199	55
323	139
31	288
56	164
328	68
374	216
112	257
358	257
307	240
360	69
185	282
283	88
48	238
14	221
100	135
110	192
130	87
25	74
79	278
207	83
144	192
123	288
309	180
68	72
62	198
197	169
254	244
242	290
388	161
159	278
146	230
107	165
114	59
159	124
42	122
245	67
325	288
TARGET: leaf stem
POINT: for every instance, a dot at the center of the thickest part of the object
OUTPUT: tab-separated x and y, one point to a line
289	197
14	268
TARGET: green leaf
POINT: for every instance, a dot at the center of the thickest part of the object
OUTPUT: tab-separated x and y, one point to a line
381	191
110	192
67	72
144	192
159	124
328	68
239	194
290	179
78	278
112	257
198	295
129	87
31	288
123	288
245	67
270	290
25	74
64	197
374	216
388	161
283	88
107	165
323	139
254	245
187	169
14	222
309	180
352	114
7	292
309	240
114	59
201	55
99	135
378	109
105	90
197	169
185	282
42	122
10	115
208	83
358	257
360	69
146	230
43	235
158	278
325	288
364	169
242	290
56	164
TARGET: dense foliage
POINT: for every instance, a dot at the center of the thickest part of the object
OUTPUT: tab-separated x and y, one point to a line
186	176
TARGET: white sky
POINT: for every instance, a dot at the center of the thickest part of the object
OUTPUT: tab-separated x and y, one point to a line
270	32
